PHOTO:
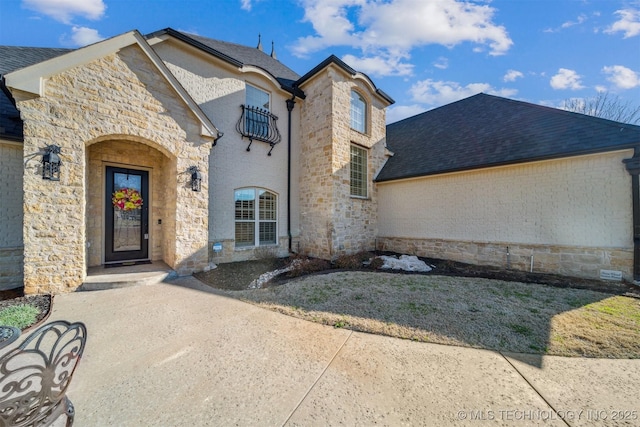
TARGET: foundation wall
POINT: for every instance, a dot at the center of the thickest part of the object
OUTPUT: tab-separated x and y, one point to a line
574	261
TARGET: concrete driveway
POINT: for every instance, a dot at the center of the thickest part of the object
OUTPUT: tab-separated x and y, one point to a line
178	354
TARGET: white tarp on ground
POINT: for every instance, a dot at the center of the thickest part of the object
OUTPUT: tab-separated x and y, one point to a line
405	262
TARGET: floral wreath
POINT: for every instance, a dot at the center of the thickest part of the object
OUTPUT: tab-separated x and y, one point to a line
126	199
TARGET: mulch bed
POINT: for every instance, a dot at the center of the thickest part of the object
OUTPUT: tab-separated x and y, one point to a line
237	276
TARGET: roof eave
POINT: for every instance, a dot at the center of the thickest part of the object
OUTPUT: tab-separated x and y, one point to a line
217	54
195	43
334	60
621	147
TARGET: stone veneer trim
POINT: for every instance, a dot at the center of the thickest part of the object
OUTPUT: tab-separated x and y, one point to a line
83	105
573	261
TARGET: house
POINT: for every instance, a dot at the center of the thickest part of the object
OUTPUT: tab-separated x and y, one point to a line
493	181
178	148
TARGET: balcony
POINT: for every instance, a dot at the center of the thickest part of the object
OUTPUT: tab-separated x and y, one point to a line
258	124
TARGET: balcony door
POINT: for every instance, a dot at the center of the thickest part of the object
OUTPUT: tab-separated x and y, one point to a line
126	215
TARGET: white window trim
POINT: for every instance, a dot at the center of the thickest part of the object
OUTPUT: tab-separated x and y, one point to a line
365	182
365	111
256	221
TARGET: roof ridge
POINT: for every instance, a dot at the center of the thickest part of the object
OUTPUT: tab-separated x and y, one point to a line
557	110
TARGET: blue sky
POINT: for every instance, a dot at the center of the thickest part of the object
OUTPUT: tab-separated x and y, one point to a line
423	53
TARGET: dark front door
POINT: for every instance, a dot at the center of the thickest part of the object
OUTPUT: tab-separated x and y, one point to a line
127	215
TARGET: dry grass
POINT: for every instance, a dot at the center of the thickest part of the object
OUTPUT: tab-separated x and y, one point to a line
473	312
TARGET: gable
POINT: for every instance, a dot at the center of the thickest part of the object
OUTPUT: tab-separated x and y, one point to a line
32	79
485	131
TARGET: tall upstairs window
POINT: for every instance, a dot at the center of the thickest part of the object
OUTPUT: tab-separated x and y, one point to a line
358	170
256	121
256	213
358	112
257	98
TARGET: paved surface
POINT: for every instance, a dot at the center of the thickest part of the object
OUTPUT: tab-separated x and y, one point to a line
178	354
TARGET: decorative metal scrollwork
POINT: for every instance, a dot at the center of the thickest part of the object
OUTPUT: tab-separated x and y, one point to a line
259	124
34	376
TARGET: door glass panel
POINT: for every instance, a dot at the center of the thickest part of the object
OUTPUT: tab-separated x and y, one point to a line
127	212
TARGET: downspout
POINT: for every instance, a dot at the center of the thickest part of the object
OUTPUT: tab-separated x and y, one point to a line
633	167
290	104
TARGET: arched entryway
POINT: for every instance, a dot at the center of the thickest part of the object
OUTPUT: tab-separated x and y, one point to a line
129	214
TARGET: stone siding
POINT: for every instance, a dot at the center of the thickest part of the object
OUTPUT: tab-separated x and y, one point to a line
117	97
573	261
333	222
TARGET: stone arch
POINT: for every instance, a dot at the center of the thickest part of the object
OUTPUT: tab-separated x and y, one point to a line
132	152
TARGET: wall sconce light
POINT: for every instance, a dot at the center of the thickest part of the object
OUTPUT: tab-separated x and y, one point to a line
51	163
196	178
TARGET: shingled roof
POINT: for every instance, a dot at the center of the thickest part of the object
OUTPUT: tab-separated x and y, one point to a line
237	55
485	130
13	58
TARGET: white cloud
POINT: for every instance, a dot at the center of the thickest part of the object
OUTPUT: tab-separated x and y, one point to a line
379	66
391	29
568	24
64	10
566	79
245	5
83	36
578	21
399	112
437	93
622	77
512	75
442	63
629	23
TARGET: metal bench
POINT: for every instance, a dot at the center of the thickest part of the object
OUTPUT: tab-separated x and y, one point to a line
34	376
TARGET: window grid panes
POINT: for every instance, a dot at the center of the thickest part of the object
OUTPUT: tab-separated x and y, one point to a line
257	97
358	171
256	224
257	123
358	112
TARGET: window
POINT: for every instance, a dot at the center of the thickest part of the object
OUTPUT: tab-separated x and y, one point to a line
358	112
257	104
256	223
257	97
358	168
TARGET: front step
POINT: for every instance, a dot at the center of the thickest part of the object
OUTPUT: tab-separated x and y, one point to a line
101	278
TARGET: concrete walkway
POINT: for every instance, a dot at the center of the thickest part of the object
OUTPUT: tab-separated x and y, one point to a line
178	354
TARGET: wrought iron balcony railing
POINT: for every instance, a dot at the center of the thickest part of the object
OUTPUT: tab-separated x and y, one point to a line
258	124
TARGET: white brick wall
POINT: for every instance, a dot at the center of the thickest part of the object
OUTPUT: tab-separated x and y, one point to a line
11	190
580	201
220	90
11	258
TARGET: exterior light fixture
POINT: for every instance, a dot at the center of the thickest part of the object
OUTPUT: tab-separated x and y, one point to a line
196	178
51	163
